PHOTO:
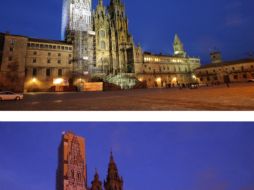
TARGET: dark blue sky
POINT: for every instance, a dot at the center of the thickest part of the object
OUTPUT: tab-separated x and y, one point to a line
171	156
201	24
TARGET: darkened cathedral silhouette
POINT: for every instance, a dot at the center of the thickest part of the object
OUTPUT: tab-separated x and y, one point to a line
72	168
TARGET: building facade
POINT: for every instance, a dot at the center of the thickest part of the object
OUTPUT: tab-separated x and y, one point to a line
168	70
218	71
34	64
115	48
72	170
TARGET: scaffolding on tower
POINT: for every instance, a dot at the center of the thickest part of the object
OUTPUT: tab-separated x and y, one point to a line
77	26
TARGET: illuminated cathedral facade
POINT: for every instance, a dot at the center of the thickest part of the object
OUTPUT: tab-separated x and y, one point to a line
101	39
72	168
96	44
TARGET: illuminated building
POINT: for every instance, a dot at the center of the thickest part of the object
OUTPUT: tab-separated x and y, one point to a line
34	64
77	30
71	171
96	44
219	71
168	70
72	168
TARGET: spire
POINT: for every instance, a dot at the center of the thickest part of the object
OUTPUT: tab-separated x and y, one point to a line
113	181
177	39
178	47
96	183
101	2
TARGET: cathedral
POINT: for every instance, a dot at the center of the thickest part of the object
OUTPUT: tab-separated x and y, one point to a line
96	46
100	37
71	172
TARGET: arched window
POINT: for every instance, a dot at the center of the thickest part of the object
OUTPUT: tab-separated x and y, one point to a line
102	34
103	45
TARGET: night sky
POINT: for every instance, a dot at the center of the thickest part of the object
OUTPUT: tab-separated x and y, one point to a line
169	156
225	25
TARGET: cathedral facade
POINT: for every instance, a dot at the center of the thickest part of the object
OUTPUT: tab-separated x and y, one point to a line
71	172
96	44
114	45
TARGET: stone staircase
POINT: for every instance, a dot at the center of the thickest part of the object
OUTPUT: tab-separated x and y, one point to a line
124	80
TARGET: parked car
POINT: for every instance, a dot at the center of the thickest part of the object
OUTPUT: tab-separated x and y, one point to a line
251	80
7	95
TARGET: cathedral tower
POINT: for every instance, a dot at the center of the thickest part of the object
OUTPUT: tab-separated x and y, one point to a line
71	171
178	47
104	62
96	183
77	29
124	47
113	181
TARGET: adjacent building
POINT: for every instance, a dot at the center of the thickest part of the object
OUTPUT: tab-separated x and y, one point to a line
160	70
219	71
34	64
72	170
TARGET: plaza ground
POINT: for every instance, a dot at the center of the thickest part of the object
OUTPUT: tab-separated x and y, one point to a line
237	97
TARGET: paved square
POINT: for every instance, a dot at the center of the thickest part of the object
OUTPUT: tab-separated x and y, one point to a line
217	98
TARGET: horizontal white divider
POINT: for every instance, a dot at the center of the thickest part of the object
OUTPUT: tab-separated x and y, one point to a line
118	116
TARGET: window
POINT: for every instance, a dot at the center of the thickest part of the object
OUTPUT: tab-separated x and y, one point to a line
49	61
34	60
103	45
49	54
244	76
10	58
70	48
59	54
48	72
34	72
235	77
70	55
54	47
12	42
66	48
60	72
102	34
11	49
59	61
35	53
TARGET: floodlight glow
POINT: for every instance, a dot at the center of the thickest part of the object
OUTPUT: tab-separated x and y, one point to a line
58	81
158	79
34	80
